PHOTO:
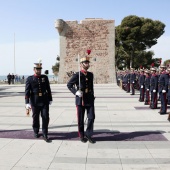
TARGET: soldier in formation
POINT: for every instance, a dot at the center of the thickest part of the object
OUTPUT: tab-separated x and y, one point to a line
153	85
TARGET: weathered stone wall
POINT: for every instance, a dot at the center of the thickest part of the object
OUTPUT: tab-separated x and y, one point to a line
98	35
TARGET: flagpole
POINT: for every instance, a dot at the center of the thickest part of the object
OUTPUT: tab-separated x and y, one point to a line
14	55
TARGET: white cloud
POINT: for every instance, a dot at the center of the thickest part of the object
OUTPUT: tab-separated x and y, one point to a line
162	49
27	53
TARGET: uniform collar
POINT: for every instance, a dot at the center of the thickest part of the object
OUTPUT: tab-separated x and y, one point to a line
35	75
164	72
84	72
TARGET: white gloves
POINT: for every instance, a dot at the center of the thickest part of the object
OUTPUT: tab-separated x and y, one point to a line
133	82
154	90
147	89
50	102
141	86
28	106
163	91
79	93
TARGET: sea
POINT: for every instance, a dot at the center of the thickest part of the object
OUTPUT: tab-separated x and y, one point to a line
50	77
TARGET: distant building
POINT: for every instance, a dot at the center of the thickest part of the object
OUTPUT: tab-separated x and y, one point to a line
98	35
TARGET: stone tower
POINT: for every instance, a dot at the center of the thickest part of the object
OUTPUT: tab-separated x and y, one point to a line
98	35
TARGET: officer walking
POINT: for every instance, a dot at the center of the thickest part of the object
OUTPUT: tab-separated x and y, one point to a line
82	88
38	97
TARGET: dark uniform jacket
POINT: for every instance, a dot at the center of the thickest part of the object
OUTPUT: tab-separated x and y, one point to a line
147	82
125	78
163	82
141	79
37	90
132	78
154	82
86	86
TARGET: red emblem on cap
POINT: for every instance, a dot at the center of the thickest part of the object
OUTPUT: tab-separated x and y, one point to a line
152	64
88	52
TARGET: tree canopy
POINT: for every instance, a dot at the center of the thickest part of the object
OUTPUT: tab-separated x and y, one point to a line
134	36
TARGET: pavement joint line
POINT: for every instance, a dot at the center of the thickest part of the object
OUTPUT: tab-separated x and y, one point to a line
135	120
23	155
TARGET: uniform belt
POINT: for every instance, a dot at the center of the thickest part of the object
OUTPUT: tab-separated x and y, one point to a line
40	94
87	90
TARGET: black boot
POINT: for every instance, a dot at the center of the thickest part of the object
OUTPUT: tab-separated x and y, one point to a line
82	139
45	137
90	139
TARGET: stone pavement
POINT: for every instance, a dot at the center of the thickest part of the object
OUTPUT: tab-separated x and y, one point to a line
129	135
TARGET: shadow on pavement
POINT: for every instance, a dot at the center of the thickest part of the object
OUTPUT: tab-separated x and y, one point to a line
98	135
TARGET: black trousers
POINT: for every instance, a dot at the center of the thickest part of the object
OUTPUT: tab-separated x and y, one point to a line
90	122
147	97
163	102
142	94
44	110
133	88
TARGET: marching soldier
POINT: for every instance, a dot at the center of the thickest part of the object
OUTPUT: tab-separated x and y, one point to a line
147	87
142	85
153	89
163	89
38	97
132	81
82	88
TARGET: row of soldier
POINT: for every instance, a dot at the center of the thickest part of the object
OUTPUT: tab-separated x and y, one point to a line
152	84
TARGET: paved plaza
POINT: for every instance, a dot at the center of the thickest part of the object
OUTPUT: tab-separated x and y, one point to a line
128	134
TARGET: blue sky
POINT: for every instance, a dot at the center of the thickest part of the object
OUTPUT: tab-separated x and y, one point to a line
32	21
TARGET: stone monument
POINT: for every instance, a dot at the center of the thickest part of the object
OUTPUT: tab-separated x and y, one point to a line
95	34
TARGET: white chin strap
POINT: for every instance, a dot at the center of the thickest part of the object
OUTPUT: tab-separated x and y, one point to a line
85	66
